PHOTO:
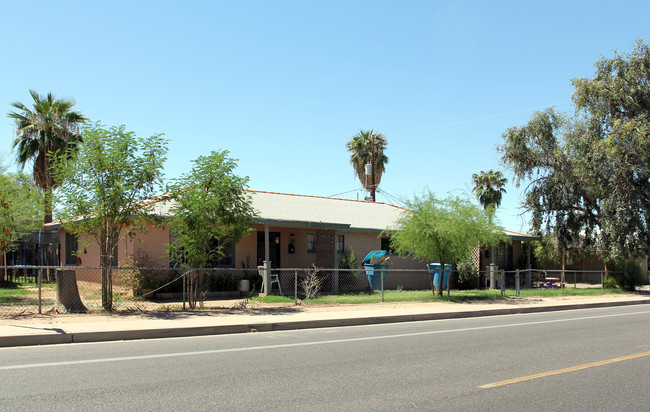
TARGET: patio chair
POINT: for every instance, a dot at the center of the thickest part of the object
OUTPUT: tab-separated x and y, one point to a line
275	278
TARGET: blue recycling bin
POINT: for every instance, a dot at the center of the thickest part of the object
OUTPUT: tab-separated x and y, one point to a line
435	269
374	271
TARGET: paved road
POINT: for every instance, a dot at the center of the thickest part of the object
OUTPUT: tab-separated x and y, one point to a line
441	365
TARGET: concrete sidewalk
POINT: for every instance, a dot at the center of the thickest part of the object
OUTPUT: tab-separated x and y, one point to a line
45	330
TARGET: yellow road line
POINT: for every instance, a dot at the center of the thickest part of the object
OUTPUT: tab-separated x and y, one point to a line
565	370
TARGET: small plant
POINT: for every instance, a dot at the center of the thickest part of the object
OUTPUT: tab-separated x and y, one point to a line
311	284
242	304
202	298
610	283
349	260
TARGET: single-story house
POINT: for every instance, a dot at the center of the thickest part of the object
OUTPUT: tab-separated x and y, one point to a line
293	231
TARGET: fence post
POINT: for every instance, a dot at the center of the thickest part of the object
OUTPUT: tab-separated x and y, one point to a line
184	290
381	274
575	282
267	277
295	287
40	272
503	282
517	281
492	271
602	281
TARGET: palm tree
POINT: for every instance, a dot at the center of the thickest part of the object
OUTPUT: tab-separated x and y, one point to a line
367	147
50	127
488	187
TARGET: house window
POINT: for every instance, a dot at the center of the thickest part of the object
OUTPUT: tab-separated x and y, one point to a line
71	246
311	242
340	243
385	245
503	258
226	259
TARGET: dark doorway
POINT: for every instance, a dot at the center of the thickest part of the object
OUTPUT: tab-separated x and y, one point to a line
274	248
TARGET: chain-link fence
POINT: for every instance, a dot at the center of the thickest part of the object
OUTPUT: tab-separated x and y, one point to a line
44	289
515	280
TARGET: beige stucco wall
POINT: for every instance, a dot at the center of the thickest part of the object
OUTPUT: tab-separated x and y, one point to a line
153	243
362	243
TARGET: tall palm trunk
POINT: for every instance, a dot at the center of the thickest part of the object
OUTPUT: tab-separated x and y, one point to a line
47	206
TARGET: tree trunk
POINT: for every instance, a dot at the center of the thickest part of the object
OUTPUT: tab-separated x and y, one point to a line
563	270
191	282
67	292
629	277
108	242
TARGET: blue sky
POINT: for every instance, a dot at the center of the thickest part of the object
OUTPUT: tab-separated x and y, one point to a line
283	85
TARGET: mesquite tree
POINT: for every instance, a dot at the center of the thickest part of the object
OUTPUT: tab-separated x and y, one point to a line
444	231
210	208
105	189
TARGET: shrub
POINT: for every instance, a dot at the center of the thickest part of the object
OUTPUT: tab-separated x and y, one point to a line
138	273
610	283
629	274
311	284
349	261
467	274
225	282
635	274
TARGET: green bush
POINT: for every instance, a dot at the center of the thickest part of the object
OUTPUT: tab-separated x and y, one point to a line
629	274
634	273
467	275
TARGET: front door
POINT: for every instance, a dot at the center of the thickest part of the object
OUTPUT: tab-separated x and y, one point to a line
274	248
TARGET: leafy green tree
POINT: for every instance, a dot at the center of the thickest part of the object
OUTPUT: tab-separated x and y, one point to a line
21	201
443	230
365	147
104	190
588	175
489	187
51	126
617	104
545	254
21	208
211	208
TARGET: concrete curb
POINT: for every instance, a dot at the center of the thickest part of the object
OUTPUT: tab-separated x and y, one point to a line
116	335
